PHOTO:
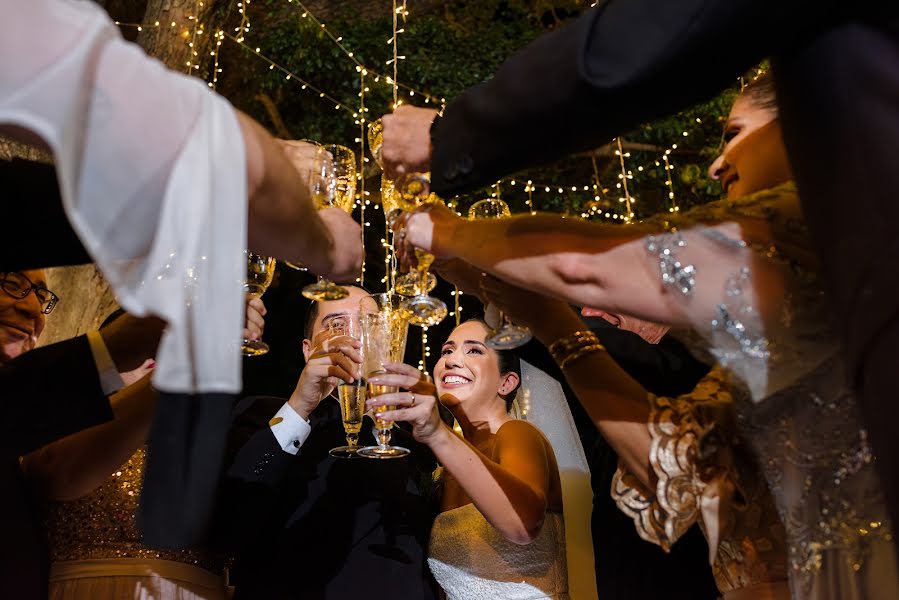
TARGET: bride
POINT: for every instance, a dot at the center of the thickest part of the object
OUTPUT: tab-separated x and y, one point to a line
738	279
501	531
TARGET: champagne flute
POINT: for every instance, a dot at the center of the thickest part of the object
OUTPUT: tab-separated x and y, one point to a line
425	310
350	395
322	180
394	204
385	325
509	335
299	266
260	272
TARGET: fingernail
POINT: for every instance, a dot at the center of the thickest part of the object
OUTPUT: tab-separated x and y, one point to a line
152	364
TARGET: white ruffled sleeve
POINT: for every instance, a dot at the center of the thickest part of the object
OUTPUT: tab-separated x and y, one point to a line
152	173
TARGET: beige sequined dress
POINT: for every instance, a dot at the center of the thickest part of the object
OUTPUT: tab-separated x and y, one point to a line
97	555
796	420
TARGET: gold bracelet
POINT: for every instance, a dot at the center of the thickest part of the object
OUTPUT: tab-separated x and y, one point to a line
564	346
578	353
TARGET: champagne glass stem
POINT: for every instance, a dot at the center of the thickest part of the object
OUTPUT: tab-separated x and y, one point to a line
352	440
384	438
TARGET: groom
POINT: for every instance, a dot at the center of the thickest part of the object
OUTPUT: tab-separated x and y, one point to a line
305	525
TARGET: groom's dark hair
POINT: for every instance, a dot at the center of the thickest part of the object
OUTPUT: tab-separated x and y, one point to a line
312	314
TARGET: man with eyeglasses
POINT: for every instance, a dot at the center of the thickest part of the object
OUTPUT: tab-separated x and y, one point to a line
46	394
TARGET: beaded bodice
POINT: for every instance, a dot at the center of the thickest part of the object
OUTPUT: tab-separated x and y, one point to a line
103	524
791	404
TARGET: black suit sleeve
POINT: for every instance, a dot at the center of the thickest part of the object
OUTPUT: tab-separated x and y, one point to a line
49	393
255	472
42	236
623	63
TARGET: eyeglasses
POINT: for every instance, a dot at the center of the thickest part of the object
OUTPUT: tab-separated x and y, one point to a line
18	286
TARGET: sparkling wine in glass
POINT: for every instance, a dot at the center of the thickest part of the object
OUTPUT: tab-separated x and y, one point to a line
322	181
260	272
385	324
350	395
425	310
508	335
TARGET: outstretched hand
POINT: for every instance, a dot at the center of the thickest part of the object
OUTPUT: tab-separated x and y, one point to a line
430	229
406	146
255	323
416	404
522	306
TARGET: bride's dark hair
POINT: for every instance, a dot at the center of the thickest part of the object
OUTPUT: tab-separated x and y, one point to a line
508	362
761	92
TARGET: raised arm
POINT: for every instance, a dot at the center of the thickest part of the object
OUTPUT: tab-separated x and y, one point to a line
608	266
512	492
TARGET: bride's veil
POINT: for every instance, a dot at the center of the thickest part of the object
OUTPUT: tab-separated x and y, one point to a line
541	401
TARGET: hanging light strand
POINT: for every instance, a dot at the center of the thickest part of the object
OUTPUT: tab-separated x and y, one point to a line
624	176
338	105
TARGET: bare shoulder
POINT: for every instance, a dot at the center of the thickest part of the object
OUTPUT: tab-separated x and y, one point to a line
520	434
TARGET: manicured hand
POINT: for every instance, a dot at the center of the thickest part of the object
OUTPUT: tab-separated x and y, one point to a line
416	403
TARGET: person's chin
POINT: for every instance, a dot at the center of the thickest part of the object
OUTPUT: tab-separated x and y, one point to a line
11	349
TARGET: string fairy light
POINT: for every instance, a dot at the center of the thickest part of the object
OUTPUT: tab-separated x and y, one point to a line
243	29
377	76
624	176
362	160
338	105
668	168
219	37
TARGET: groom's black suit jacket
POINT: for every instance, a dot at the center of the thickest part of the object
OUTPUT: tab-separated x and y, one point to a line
311	526
627	567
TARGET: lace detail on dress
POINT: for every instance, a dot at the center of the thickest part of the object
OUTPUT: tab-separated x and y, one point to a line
699	462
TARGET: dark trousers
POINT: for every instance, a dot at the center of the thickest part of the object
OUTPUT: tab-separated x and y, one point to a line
839	97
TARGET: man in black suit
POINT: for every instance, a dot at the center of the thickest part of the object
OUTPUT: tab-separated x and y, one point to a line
318	526
48	393
627	62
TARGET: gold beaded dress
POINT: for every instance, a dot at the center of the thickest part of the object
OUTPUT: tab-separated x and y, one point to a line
97	555
796	420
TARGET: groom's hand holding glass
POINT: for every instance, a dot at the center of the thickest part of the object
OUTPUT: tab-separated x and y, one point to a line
334	360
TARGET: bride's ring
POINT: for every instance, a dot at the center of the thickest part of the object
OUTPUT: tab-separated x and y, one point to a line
413	399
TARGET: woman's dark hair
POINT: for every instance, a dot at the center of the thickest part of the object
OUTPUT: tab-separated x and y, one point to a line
508	362
761	92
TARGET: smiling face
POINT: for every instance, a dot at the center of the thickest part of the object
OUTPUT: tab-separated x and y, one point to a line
468	372
746	117
21	320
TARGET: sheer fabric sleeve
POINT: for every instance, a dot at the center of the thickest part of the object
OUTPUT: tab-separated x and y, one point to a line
690	454
736	271
152	175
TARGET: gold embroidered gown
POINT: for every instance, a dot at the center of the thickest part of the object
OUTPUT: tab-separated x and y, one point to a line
97	555
798	425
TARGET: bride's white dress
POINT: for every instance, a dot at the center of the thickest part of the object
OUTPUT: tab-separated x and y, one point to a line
472	561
